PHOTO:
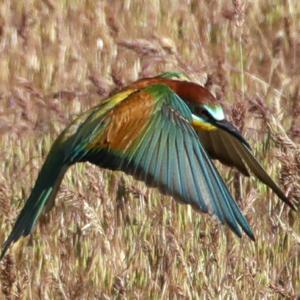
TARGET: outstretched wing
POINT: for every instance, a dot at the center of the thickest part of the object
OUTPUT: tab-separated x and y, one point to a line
149	135
229	150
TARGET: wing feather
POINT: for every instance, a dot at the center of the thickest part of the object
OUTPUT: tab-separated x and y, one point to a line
184	172
214	206
218	145
222	146
217	192
163	149
173	173
229	208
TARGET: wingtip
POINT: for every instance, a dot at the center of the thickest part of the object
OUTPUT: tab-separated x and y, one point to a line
249	233
291	205
287	201
251	236
5	247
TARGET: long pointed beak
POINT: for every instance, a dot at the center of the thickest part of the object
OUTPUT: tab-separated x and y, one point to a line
230	128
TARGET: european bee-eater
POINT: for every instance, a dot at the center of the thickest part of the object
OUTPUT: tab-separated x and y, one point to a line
162	130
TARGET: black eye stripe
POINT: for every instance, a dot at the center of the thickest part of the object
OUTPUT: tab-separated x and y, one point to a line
206	113
201	111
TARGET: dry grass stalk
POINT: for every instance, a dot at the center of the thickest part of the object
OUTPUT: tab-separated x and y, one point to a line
113	238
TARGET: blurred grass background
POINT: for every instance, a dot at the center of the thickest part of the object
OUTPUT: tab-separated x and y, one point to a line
109	237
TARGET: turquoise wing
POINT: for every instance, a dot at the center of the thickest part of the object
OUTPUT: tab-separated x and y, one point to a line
149	135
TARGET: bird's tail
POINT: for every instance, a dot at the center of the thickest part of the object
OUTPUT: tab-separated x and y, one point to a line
41	198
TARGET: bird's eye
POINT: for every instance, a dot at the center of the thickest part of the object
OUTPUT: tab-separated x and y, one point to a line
205	113
201	111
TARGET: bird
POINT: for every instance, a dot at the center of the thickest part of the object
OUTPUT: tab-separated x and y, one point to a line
164	130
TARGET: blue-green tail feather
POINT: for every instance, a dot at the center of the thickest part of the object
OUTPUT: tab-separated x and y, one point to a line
41	198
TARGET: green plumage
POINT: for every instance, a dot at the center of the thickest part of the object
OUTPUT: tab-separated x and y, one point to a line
43	194
147	133
174	75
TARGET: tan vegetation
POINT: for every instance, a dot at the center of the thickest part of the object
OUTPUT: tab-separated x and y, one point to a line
109	236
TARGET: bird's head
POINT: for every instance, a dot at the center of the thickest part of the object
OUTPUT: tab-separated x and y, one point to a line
208	114
212	117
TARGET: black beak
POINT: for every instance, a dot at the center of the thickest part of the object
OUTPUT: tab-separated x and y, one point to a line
230	128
